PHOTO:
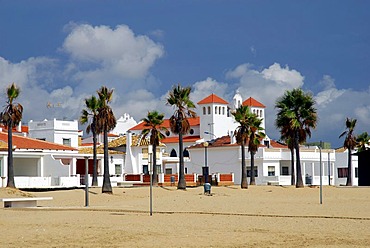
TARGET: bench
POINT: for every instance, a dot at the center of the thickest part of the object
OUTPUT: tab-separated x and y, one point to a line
23	202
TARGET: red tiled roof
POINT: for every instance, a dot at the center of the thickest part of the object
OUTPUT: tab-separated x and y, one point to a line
213	99
166	123
175	139
24	129
251	102
21	142
112	135
225	141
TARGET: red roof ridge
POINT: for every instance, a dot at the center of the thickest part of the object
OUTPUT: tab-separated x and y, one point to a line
213	98
251	102
22	142
166	123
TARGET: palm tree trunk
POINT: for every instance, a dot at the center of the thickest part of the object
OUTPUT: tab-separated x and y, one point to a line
292	166
244	182
154	176
349	176
182	182
10	182
107	187
298	159
253	178
95	160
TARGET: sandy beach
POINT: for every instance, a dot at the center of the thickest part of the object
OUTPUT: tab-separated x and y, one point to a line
261	216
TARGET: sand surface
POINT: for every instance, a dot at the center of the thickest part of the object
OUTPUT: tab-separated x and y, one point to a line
261	216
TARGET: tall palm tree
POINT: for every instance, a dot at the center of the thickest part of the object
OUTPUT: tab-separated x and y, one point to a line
90	115
11	116
362	141
243	116
179	98
256	134
105	122
153	127
287	135
350	144
297	114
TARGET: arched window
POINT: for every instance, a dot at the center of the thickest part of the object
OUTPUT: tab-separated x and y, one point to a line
215	110
261	113
173	153
219	110
191	131
168	133
209	110
223	110
204	110
186	153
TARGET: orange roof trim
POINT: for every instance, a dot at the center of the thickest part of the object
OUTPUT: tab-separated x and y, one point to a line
212	99
251	102
166	123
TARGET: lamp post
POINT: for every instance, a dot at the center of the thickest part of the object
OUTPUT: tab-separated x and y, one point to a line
320	173
150	162
86	181
205	168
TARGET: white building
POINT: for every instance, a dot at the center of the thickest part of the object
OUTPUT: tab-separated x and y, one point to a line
56	131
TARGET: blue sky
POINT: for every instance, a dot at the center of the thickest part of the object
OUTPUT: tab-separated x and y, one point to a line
63	51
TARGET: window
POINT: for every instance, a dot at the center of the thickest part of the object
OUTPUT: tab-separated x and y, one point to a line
271	171
186	153
43	139
191	131
209	110
215	110
168	133
66	142
173	153
223	110
266	143
342	172
118	169
144	151
285	171
145	169
249	172
204	110
168	171
356	172
186	170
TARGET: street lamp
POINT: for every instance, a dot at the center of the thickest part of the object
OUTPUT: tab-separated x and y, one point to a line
209	133
205	168
320	173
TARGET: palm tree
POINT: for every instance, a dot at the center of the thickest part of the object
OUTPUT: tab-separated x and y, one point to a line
90	115
152	124
287	135
179	98
350	144
254	140
362	141
11	116
296	114
243	116
105	122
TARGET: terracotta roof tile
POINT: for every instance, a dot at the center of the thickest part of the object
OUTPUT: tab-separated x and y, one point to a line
21	142
166	123
251	102
175	139
225	141
213	99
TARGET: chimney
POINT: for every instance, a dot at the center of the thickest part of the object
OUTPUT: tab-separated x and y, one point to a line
19	127
232	137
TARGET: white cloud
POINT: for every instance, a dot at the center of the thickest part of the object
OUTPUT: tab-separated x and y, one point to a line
117	51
